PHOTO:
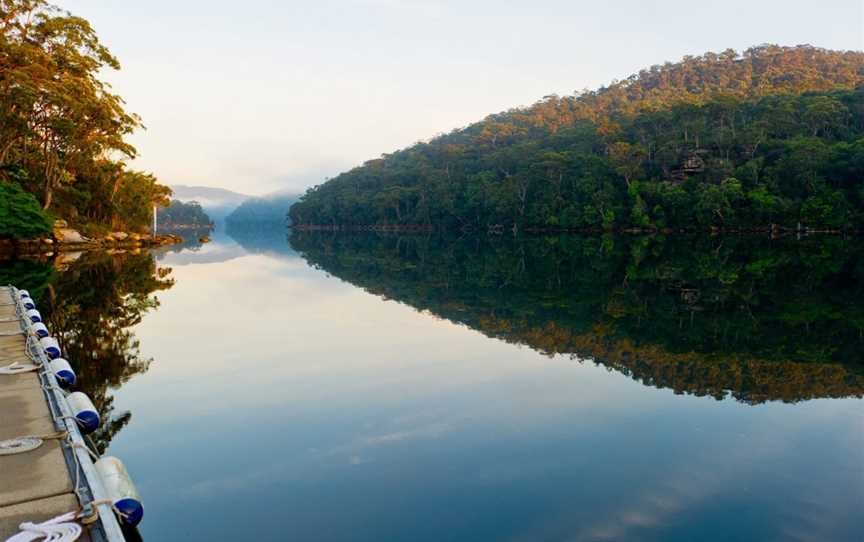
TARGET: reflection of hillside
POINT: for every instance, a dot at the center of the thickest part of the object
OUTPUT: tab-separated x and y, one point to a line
748	318
192	251
750	380
91	307
261	238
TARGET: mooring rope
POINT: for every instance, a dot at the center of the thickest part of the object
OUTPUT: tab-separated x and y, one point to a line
60	529
20	445
18	368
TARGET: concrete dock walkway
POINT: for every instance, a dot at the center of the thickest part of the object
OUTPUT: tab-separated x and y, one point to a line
34	486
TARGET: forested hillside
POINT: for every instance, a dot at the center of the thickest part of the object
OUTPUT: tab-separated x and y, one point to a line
179	214
62	131
771	136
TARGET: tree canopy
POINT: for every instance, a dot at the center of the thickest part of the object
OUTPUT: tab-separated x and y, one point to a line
181	214
62	130
774	135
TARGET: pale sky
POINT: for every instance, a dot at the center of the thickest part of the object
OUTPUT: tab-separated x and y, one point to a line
264	95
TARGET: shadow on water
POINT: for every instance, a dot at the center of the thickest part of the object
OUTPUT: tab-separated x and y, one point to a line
754	319
90	303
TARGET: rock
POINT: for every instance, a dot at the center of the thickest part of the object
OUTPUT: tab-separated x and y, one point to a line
65	259
69	236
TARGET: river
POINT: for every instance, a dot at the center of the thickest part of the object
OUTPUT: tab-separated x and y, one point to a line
423	387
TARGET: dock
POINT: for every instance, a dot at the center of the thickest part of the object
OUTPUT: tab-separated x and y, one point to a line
49	481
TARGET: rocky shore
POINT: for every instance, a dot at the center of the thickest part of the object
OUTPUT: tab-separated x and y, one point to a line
66	239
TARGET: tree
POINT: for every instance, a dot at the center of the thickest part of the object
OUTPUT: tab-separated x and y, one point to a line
717	203
627	159
136	196
823	114
55	111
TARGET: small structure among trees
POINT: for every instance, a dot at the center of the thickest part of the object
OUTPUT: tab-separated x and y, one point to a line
692	164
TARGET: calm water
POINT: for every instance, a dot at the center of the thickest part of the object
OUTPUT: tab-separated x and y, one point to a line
422	388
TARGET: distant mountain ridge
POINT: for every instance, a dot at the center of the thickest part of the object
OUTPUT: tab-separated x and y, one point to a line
217	202
269	209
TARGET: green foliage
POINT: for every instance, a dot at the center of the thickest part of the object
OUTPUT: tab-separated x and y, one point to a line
59	121
137	195
652	152
20	213
179	213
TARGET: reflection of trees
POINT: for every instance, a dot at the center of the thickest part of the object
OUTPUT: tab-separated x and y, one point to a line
756	319
91	307
191	240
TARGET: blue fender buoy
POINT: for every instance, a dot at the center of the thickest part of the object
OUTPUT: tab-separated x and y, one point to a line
84	411
51	347
33	315
23	293
63	372
39	330
28	303
122	492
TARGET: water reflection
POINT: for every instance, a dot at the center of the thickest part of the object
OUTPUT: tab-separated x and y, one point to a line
751	318
280	401
91	302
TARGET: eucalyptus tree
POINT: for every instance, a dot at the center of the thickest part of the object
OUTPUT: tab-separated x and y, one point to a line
57	117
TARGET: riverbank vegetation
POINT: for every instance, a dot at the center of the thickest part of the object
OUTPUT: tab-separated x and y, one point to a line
773	136
63	146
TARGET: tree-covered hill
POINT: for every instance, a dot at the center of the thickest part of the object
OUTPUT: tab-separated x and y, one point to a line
180	214
772	136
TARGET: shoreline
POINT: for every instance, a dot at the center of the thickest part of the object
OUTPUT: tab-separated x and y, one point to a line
48	247
499	229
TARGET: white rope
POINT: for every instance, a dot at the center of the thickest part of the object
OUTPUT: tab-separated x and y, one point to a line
19	445
60	529
18	368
